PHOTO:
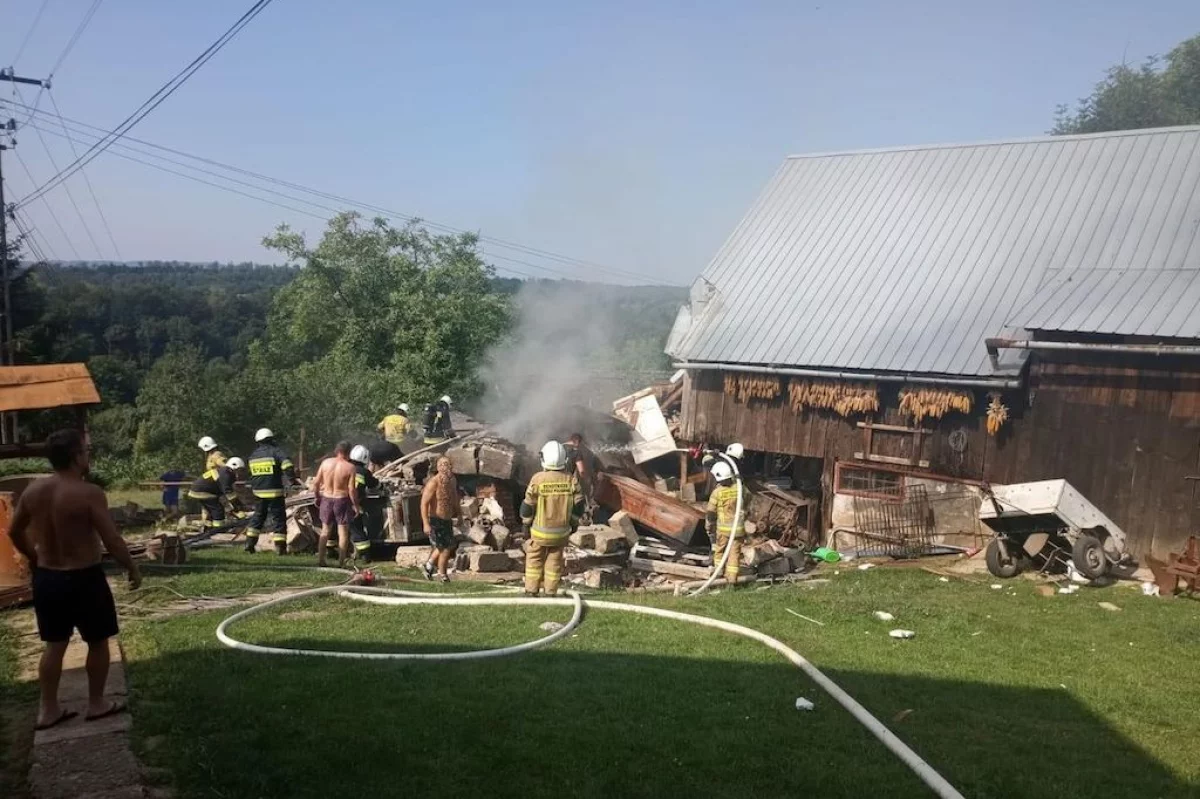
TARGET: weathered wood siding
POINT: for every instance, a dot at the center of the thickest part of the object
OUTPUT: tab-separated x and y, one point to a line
1124	432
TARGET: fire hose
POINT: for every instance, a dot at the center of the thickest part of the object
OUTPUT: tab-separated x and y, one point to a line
385	596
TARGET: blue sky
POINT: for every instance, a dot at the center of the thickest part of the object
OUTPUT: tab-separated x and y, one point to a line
630	135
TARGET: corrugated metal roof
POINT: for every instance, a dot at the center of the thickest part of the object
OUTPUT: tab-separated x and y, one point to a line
1163	303
40	387
906	260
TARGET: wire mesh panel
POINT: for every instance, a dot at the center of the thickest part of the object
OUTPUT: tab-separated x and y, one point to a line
901	529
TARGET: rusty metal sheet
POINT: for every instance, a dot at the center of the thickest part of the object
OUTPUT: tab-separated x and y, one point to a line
41	387
663	514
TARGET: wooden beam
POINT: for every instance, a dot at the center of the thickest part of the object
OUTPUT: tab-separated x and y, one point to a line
678	569
892	428
663	514
22	450
866	456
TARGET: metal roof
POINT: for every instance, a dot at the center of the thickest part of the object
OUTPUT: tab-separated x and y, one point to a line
905	260
1164	303
40	387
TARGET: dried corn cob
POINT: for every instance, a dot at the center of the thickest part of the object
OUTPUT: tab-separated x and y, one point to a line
997	414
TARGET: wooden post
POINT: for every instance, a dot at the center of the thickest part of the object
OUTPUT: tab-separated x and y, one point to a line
683	471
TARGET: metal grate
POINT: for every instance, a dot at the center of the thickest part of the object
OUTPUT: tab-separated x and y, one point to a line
894	529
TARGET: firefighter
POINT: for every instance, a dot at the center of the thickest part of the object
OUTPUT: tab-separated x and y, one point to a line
722	506
396	426
550	513
364	481
214	490
271	472
213	457
437	425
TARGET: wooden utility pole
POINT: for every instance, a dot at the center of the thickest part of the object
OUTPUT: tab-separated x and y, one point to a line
9	128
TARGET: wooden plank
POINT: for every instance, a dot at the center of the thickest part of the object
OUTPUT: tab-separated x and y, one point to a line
893	428
661	513
864	456
678	569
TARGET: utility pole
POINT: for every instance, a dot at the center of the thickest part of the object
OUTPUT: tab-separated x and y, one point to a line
9	128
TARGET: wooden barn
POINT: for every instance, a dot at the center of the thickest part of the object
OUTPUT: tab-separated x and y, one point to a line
898	328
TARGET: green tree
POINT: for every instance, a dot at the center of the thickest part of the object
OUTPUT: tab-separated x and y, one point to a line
375	314
1152	95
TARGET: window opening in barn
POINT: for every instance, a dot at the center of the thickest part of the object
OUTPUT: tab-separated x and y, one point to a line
863	482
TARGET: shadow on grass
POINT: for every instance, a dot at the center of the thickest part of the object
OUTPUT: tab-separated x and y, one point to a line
556	724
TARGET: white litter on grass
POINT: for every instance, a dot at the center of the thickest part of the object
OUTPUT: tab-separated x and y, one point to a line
550	626
864	566
1108	606
1149	589
996	586
902	634
1075	575
883	615
806	618
803	704
943	579
1068	589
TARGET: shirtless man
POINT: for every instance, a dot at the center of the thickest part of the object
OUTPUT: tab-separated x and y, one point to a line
334	488
439	508
59	524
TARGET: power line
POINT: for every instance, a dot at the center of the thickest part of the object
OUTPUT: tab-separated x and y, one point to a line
66	188
87	180
49	209
532	251
27	234
87	19
28	34
155	100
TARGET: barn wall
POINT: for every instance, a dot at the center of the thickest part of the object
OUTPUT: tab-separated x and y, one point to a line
1122	432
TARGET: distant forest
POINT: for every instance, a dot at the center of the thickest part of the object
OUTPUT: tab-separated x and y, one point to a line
176	348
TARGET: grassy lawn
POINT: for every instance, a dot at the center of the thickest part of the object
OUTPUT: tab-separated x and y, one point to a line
146	497
16	712
1007	693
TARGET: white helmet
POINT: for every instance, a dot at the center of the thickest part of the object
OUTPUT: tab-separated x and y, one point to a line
235	463
446	398
554	456
403	408
722	471
735	451
360	454
263	434
207	444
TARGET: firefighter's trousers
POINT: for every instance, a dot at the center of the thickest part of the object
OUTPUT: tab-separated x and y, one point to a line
270	515
544	565
733	566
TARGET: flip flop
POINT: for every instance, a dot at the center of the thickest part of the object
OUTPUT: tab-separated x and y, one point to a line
65	715
114	708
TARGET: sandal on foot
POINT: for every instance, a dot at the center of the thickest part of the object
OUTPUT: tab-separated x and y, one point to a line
64	715
114	708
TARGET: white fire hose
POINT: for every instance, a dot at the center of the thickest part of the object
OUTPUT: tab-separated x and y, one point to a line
386	596
719	568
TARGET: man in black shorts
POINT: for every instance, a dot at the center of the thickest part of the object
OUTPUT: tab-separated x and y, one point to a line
59	525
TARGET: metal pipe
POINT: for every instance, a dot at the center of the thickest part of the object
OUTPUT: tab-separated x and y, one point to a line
978	382
996	344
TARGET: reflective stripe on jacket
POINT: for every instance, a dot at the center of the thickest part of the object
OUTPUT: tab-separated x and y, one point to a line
213	484
269	466
723	502
552	507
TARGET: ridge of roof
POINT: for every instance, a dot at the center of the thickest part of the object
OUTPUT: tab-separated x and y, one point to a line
1044	139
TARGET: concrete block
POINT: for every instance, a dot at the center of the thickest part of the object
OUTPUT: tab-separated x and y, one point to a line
517	559
463	459
470	508
609	541
412	557
477	534
490	508
623	522
462	561
501	536
603	578
301	537
584	538
497	461
489	562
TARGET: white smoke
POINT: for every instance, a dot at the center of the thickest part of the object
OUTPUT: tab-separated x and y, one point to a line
535	378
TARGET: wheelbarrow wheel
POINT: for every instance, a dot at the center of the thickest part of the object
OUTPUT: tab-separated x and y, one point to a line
998	565
1088	555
